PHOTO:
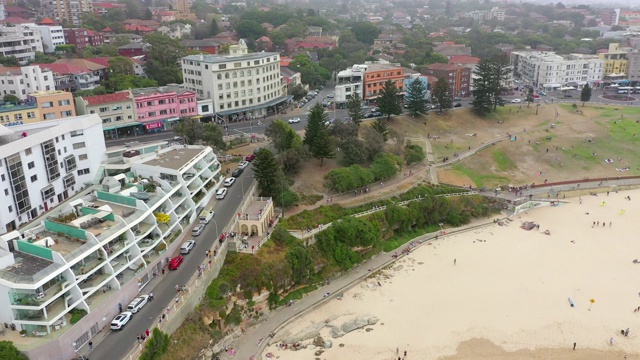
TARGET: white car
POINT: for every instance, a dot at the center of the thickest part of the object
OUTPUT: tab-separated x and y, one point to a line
229	181
294	120
516	101
243	165
120	320
187	247
136	304
221	193
197	230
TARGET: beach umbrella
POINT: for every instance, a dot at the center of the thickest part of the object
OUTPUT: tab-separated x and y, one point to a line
591	301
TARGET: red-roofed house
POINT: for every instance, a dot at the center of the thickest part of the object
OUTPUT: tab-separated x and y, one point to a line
459	77
139	29
309	43
17	11
14	20
152	24
117	111
226	37
69	77
264	43
46	21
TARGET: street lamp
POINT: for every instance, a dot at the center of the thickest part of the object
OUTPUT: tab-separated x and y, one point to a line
216	224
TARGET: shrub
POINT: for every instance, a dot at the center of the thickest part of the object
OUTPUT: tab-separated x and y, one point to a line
77	314
413	154
385	166
345	179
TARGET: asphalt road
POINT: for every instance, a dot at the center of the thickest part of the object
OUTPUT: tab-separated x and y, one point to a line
117	344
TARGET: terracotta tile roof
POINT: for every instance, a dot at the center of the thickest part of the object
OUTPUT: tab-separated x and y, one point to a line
104	61
63	69
137	28
15	70
47	21
82	63
15	20
106	99
441	66
464	59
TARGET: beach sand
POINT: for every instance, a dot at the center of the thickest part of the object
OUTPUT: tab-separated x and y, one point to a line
507	295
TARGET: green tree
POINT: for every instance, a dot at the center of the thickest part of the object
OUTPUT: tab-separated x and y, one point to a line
482	88
163	59
9	352
413	154
530	98
354	108
156	345
415	99
301	263
389	100
502	69
365	32
585	94
10	98
292	159
9	61
353	151
316	135
441	95
267	172
190	129
212	136
373	142
148	15
310	72
298	92
282	135
42	58
120	65
385	166
381	127
250	29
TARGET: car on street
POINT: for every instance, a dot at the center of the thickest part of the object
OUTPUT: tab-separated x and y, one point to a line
516	101
136	304
187	246
294	120
243	165
197	230
121	320
567	95
229	181
457	105
457	99
174	264
237	172
250	157
542	93
177	138
221	193
377	113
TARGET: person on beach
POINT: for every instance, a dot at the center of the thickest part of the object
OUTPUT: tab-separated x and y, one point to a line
611	341
574	346
454	261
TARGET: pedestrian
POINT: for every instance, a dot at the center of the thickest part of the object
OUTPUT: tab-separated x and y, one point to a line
454	261
90	345
151	296
610	223
574	346
611	341
147	332
120	307
138	338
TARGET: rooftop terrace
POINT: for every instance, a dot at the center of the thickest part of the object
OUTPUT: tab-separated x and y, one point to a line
175	159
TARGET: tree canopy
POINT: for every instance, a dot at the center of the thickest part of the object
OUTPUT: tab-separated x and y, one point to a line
389	100
416	98
163	59
316	135
441	95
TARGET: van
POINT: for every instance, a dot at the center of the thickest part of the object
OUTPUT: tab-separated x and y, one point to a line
205	216
136	304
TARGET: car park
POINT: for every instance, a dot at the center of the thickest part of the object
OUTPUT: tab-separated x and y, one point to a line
229	181
174	264
221	193
136	304
197	230
121	320
250	157
294	120
516	101
187	246
243	165
237	172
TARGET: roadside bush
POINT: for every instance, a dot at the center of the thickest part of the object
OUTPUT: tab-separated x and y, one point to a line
156	345
413	154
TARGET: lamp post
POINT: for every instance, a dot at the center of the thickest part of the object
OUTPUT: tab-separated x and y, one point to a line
216	224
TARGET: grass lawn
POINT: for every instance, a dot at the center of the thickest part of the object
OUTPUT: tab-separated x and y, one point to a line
503	160
481	179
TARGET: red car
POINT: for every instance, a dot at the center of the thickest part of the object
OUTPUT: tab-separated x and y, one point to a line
174	264
250	157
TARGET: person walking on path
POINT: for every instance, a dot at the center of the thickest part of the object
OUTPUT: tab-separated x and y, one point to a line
90	345
574	346
454	261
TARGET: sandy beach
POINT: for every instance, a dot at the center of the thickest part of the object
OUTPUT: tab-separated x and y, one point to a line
506	296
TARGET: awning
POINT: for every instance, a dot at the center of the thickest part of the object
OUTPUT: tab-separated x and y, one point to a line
551	85
567	88
256	107
113	127
173	119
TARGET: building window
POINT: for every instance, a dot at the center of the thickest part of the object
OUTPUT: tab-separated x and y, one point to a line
79	145
17	117
48	104
76	133
63	102
66	113
34	178
28	151
31	165
49	116
70	163
82	157
83	171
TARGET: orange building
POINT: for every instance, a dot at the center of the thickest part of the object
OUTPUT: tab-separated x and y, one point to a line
378	74
56	104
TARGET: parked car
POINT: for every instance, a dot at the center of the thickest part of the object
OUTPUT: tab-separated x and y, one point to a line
457	99
243	165
255	151
221	193
136	304
250	157
187	246
516	101
237	172
294	120
542	93
121	320
377	114
457	105
567	95
229	181
177	138
197	230
174	264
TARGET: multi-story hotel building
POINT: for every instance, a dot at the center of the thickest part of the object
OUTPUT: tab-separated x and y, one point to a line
548	71
240	84
54	104
106	242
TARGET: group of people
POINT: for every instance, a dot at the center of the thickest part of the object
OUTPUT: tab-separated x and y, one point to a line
142	337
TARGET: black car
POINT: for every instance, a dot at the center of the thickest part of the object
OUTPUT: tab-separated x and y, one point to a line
368	115
237	172
457	105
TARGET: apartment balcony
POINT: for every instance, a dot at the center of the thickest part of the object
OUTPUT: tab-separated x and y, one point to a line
195	185
181	211
177	198
88	79
94	280
143	229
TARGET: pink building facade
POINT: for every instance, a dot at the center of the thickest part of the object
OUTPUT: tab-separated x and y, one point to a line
157	109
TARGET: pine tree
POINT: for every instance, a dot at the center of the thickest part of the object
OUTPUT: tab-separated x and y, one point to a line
213	28
530	98
585	95
388	101
266	168
354	108
482	92
416	97
316	135
441	94
501	71
380	126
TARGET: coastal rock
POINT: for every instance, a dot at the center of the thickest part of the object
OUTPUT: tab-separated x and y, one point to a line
327	344
336	332
318	341
307	333
358	323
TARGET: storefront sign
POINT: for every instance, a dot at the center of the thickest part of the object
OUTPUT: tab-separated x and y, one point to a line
153	125
14	123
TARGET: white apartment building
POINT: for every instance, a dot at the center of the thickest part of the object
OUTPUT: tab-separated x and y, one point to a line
69	11
22	81
240	84
51	35
103	245
20	42
547	70
349	82
496	13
